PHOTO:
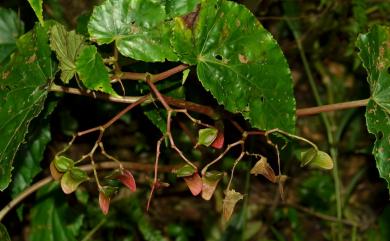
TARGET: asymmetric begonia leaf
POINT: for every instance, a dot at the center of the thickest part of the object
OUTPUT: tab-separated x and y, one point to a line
11	27
92	71
36	5
67	46
239	62
375	54
23	90
138	28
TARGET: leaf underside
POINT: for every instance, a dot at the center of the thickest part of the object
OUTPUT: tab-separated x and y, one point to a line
239	62
67	46
23	91
375	53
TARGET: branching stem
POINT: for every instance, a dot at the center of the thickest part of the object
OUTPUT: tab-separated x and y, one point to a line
101	165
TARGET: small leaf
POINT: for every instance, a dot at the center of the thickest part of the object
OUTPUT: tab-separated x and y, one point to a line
128	180
105	195
72	179
185	76
37	7
322	160
219	140
62	163
104	203
262	167
4	236
207	136
229	202
194	183
54	172
210	181
67	46
305	156
11	28
92	71
185	171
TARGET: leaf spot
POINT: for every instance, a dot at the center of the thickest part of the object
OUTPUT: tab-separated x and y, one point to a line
243	59
31	59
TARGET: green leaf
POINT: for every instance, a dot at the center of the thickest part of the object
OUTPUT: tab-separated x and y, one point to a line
72	179
31	153
67	46
11	27
50	216
4	236
23	90
137	27
375	54
28	158
322	160
37	7
92	71
305	156
239	62
185	171
157	116
177	8
207	136
63	163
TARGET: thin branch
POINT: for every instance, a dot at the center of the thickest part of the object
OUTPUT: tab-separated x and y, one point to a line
153	77
206	110
98	95
101	165
124	111
163	75
155	172
331	107
230	146
157	93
